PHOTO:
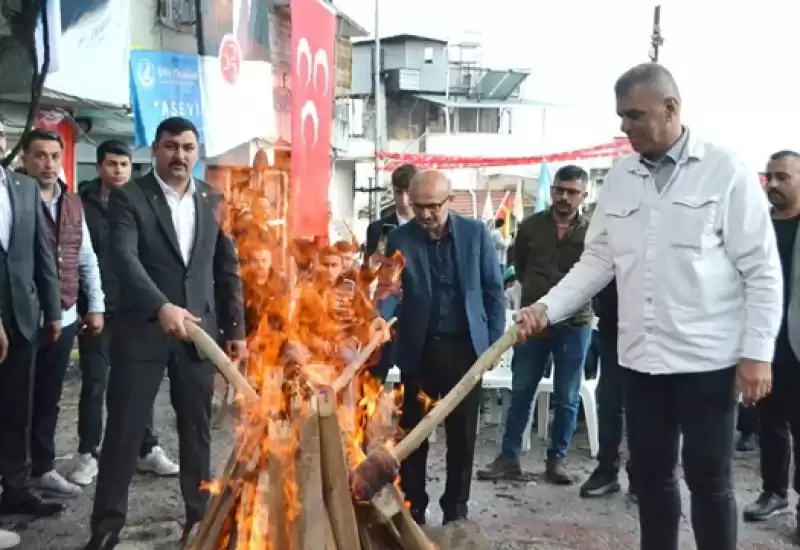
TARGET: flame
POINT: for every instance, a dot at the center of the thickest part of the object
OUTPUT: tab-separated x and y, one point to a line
309	310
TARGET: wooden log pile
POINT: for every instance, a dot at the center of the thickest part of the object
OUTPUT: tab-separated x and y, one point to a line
286	487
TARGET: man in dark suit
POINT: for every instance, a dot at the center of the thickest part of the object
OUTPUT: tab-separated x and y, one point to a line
28	292
453	310
175	265
379	229
377	233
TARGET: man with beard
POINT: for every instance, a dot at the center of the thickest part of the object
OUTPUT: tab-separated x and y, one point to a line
175	265
779	412
113	170
547	245
68	237
684	228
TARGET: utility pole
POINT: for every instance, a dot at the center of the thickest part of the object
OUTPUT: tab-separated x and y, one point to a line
656	40
378	100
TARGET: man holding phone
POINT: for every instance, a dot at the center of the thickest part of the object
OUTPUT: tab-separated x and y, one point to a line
378	231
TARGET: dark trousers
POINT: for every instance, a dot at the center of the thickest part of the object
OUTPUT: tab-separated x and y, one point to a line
779	418
567	345
702	407
444	362
610	407
747	420
16	400
132	390
52	361
94	364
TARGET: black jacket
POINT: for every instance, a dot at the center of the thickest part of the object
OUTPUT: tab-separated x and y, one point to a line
378	229
146	256
95	211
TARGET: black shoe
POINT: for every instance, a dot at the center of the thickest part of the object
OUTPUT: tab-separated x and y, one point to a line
452	512
765	506
602	482
26	503
747	443
556	472
102	542
500	469
450	518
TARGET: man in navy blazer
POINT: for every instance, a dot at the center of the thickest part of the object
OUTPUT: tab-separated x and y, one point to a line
453	310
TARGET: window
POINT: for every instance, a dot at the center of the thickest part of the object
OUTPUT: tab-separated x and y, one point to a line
177	14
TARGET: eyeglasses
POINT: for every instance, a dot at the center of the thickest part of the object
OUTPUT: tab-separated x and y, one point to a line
429	207
570	192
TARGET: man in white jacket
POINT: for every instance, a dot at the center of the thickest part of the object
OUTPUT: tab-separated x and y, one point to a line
685	228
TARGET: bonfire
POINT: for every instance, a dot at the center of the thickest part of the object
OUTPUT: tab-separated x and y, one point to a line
317	449
309	410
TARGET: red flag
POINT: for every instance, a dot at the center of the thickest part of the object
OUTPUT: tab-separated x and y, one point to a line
313	35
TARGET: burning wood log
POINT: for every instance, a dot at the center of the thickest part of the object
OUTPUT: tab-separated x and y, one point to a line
355	366
381	467
311	532
334	475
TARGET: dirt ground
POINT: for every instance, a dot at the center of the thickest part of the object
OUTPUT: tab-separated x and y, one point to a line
514	516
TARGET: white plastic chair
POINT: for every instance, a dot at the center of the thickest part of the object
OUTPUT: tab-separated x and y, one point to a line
588	393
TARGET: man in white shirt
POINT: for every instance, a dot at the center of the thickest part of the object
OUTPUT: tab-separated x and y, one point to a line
685	228
175	264
68	237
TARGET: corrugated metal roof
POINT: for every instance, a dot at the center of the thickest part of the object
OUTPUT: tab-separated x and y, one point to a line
466	103
397	38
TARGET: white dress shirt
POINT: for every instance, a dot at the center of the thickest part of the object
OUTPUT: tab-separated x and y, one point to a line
88	268
697	267
6	217
184	216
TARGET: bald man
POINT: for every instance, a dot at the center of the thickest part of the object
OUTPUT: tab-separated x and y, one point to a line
453	310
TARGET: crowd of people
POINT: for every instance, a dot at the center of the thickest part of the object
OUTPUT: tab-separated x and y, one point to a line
683	276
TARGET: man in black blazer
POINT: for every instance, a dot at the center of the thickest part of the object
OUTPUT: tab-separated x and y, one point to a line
377	234
175	264
379	229
28	292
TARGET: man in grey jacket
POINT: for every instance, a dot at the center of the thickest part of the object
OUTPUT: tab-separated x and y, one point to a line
28	290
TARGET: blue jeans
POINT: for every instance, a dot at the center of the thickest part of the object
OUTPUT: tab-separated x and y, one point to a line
568	346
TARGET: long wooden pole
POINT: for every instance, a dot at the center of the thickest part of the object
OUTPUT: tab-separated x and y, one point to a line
335	487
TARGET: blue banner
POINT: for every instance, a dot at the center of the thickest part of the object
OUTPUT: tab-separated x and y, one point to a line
163	84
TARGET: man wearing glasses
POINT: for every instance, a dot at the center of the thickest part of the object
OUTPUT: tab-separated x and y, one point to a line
453	310
548	244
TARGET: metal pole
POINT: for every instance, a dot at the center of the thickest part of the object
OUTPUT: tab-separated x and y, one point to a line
656	40
378	96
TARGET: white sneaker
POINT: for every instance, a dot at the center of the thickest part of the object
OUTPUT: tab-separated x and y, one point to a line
54	484
85	470
8	539
158	463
